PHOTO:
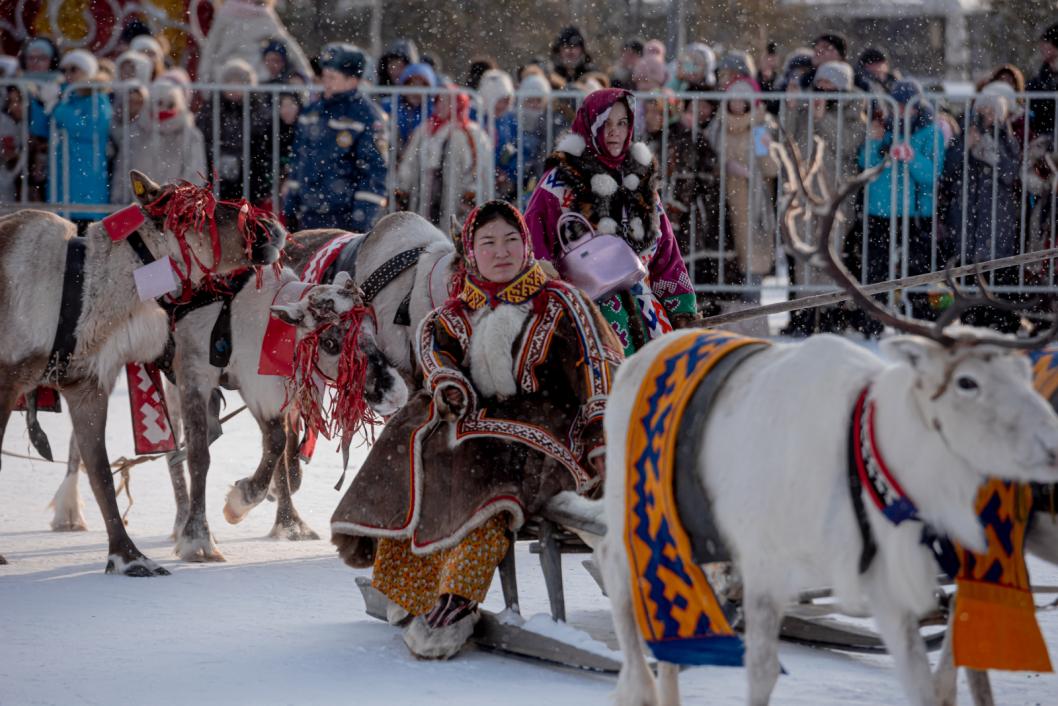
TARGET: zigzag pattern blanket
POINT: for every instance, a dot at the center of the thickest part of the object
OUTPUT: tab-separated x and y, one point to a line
675	607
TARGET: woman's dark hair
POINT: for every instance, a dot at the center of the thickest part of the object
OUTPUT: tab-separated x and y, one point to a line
492	210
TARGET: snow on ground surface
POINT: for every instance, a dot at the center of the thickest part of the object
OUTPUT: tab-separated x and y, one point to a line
283	623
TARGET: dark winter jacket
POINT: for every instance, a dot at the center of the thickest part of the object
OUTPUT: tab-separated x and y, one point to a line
225	154
338	179
1042	110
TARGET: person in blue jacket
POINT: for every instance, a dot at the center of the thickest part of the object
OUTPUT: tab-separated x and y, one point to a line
410	110
82	128
338	178
923	157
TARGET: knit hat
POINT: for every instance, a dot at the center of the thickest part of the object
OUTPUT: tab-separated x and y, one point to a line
146	44
738	62
423	71
650	68
237	71
835	40
345	58
903	91
275	46
141	66
81	59
702	57
534	85
495	86
836	72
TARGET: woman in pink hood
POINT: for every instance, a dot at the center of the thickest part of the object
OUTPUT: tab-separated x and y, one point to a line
597	171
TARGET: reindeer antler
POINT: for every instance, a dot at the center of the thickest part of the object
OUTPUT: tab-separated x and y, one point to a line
799	203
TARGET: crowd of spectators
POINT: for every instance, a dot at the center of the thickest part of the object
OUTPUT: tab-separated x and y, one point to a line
302	135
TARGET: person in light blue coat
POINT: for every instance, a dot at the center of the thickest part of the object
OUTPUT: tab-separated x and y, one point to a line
79	148
915	165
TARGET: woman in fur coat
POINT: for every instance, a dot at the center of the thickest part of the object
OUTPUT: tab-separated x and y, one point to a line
598	172
517	368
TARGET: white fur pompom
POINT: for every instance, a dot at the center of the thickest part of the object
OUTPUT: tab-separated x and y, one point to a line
607	225
604	185
572	144
637	228
641	153
631	182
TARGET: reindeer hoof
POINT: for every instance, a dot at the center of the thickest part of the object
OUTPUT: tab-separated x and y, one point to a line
68	525
140	567
198	546
238	502
295	531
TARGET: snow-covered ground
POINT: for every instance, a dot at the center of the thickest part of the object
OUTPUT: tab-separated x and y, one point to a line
283	623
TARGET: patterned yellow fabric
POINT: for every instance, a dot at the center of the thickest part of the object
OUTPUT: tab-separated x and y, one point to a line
676	610
518	291
995	616
415	582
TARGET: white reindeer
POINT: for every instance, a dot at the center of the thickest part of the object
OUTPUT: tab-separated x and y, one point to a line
114	326
951	407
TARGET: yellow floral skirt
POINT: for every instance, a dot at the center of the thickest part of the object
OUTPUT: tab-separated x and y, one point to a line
415	582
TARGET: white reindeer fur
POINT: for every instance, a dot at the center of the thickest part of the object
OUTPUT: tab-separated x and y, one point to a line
68	506
774	463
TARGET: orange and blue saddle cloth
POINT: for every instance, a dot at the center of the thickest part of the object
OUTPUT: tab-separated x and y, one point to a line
677	612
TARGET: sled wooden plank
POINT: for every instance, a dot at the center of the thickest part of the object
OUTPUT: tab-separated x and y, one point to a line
492	634
831	634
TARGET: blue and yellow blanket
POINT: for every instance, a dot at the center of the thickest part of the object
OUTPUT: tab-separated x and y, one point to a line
676	610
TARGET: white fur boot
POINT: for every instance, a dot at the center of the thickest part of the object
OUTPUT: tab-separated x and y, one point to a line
438	643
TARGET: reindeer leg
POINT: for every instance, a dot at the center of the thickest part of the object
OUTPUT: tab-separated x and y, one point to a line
88	408
8	397
289	524
290	454
248	493
635	685
67	502
763	619
175	463
945	678
195	542
899	631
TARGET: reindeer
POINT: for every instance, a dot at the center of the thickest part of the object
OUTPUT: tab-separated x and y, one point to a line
324	315
114	327
951	405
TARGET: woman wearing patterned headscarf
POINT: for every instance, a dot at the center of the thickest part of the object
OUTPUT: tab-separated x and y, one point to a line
598	172
516	368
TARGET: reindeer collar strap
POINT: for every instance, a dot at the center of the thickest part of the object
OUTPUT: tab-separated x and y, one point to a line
69	310
868	474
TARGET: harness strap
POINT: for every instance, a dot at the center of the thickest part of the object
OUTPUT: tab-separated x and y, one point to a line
135	241
225	289
389	271
69	310
870	547
693	501
377	280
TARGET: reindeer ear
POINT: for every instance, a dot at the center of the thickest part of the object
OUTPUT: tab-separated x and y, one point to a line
918	352
346	287
145	188
292	314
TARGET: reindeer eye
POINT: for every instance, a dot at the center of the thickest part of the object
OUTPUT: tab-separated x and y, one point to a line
330	346
965	382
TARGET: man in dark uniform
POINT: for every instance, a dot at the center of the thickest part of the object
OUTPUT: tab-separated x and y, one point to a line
339	174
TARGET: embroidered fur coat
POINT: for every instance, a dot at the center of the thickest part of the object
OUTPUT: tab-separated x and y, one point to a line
535	369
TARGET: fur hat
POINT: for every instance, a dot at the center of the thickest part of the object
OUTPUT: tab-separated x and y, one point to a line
738	62
142	68
535	85
146	44
237	71
495	85
81	59
836	72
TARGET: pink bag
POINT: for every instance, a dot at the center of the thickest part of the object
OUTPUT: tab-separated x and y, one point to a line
599	264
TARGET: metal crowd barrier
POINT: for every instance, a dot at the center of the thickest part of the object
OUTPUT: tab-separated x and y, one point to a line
709	180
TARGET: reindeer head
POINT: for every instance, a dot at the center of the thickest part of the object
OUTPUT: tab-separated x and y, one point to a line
971	386
206	235
337	340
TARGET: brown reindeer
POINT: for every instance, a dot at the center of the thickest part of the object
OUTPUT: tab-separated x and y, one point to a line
114	326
